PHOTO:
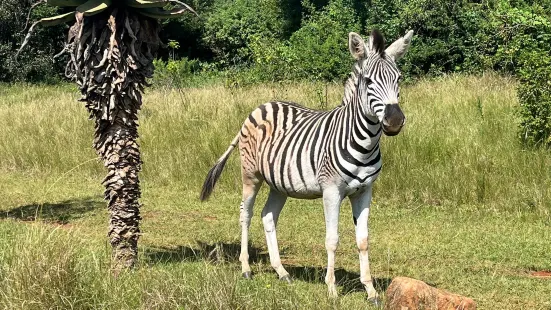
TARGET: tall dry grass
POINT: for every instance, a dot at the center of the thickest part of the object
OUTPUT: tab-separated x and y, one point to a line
459	146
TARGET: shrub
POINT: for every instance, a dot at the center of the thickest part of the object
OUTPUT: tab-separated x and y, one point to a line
317	51
231	25
445	32
184	73
517	32
534	94
35	63
188	31
520	44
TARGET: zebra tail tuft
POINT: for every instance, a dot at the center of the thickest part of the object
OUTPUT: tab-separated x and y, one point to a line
215	172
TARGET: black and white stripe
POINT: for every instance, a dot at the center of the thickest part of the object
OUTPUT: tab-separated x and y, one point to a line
304	153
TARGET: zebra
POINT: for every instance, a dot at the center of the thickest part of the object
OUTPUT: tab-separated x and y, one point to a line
306	154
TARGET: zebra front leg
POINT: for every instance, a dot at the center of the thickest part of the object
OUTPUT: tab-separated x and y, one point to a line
270	215
332	199
250	189
360	210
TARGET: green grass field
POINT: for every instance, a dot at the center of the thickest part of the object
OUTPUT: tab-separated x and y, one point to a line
460	204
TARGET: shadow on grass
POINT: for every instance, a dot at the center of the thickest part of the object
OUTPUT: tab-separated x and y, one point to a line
213	252
60	212
229	253
349	281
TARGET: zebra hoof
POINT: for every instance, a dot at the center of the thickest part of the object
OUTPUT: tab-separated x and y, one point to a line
376	301
287	278
248	275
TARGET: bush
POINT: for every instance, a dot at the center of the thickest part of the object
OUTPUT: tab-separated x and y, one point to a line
184	73
317	51
320	47
188	31
445	33
520	44
174	72
35	62
231	26
447	38
534	94
517	32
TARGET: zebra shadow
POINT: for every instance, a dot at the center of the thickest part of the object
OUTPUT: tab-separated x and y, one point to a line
349	281
221	252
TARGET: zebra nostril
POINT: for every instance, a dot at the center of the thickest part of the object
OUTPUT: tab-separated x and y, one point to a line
393	116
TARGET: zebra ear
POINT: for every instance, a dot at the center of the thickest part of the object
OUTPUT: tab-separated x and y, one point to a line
356	45
399	48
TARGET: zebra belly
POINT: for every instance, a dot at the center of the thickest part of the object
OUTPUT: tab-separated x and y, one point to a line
294	179
310	189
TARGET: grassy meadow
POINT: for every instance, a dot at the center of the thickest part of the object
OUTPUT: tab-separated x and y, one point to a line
460	204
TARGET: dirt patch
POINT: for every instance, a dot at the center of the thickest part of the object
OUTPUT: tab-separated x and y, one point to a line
541	274
151	214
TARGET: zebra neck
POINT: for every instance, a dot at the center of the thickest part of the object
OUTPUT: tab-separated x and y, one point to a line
351	86
352	96
363	130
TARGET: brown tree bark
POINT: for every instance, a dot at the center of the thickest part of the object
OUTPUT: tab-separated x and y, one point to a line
111	58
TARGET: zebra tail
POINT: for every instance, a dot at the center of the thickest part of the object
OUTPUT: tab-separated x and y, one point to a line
216	171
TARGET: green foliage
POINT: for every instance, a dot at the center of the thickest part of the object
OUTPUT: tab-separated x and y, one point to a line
233	25
35	64
522	45
534	94
445	32
517	32
173	44
320	46
175	72
188	31
317	51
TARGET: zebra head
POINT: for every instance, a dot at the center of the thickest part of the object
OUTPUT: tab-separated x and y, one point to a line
378	77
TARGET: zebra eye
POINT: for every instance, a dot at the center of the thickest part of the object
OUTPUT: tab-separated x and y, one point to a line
368	81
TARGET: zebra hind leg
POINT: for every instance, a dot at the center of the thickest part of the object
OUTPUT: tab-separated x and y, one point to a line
250	189
270	215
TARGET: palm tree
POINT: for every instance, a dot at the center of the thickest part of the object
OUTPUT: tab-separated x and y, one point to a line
111	47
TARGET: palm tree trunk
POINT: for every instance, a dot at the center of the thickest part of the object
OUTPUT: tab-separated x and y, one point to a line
111	58
116	144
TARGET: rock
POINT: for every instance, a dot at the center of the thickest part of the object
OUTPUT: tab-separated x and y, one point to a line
410	294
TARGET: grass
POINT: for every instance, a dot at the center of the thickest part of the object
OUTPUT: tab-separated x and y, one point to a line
460	204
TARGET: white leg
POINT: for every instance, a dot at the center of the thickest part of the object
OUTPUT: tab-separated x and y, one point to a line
270	215
246	213
360	211
332	199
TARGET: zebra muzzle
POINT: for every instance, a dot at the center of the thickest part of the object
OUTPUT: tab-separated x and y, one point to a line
393	120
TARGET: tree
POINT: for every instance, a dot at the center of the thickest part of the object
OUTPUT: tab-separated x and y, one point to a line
111	47
36	65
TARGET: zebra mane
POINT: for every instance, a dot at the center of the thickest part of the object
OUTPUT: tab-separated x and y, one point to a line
351	84
377	42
